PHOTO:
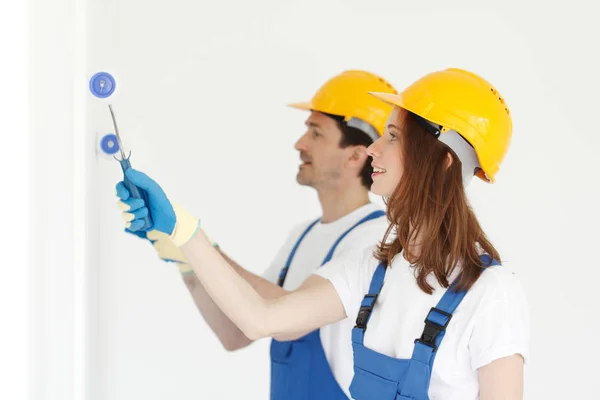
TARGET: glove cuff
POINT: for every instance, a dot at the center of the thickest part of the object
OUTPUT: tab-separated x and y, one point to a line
186	226
185	269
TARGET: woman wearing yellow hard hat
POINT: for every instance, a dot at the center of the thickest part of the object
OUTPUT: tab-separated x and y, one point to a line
437	316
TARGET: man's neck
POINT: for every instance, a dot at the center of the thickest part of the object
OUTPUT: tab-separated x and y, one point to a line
341	201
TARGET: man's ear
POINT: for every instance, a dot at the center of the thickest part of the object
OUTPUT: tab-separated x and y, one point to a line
358	155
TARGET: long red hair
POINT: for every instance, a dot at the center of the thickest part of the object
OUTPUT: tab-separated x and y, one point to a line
430	202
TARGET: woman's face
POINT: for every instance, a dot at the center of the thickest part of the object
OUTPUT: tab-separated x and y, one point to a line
387	159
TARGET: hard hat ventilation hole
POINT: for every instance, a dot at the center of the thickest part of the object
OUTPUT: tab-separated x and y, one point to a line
500	98
386	83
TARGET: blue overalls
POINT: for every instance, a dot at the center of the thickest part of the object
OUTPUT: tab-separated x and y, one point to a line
299	368
381	377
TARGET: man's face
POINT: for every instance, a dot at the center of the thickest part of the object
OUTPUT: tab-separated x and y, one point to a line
322	157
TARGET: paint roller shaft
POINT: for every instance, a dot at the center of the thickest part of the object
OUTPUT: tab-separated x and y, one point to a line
125	165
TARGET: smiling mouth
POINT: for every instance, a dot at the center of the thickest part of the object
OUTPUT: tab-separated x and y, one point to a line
377	172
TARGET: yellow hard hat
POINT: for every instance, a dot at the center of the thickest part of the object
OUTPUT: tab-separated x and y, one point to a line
347	95
462	101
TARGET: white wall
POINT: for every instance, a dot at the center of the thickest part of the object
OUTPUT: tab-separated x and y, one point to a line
201	95
14	274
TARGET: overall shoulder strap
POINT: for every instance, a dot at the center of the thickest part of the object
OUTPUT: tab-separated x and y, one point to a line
373	215
367	304
439	317
284	271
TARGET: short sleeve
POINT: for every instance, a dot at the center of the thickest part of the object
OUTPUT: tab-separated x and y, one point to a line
501	326
346	274
273	271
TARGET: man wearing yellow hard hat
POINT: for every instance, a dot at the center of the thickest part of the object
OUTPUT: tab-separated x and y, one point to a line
343	120
437	316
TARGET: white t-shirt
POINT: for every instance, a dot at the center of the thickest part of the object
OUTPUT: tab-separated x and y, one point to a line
335	338
491	322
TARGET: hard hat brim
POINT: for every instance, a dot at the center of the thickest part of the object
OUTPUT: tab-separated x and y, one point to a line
398	101
389	98
307	105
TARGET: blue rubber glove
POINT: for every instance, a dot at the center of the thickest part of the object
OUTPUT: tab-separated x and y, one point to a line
159	207
167	218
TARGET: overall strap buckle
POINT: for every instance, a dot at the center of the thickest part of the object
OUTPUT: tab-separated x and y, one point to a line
365	311
432	329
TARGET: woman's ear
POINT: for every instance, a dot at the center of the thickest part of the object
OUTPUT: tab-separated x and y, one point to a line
449	160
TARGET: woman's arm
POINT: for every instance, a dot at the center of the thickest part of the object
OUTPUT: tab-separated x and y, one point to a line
502	379
312	306
315	305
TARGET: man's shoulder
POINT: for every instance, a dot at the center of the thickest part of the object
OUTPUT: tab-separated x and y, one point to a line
297	229
377	226
368	233
365	236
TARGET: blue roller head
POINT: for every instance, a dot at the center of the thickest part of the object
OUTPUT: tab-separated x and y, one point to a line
102	84
109	144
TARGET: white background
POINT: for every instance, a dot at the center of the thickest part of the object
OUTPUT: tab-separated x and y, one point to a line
90	313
